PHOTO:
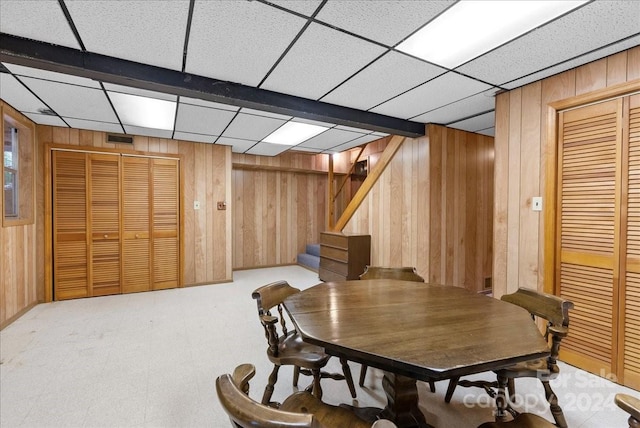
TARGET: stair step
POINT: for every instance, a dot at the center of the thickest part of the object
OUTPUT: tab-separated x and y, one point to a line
313	249
309	260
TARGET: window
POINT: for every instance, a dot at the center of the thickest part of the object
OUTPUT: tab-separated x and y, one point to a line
18	168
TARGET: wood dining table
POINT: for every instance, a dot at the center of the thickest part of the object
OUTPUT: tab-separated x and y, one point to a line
414	331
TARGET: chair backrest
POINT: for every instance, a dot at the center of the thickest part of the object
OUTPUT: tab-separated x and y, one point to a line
245	412
269	299
400	273
630	405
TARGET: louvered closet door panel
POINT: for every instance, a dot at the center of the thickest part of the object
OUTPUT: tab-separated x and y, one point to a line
165	223
70	271
631	329
104	220
589	225
136	246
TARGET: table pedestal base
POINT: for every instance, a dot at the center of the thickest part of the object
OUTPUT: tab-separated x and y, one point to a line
402	402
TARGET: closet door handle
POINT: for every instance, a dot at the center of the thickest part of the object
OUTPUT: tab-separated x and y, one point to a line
106	236
137	236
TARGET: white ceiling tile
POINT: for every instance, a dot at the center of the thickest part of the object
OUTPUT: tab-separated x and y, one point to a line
202	120
592	56
151	32
331	138
264	113
237	145
266	149
45	119
466	107
306	7
355	143
442	90
238	41
312	122
384	21
379	134
38	20
79	102
189	136
476	123
19	97
490	132
147	132
140	92
305	149
567	37
373	86
210	104
321	59
252	127
50	75
353	129
93	125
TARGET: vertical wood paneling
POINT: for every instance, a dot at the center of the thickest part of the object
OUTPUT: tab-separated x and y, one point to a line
513	180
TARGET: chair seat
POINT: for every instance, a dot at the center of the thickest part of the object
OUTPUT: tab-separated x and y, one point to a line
326	414
292	350
523	420
534	368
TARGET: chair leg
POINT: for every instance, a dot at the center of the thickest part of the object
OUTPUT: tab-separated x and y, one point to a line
501	400
363	374
296	375
432	386
268	390
453	382
511	387
556	410
317	389
347	376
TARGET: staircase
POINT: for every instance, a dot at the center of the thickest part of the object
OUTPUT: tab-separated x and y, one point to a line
311	258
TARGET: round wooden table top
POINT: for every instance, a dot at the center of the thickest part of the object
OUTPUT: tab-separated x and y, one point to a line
421	330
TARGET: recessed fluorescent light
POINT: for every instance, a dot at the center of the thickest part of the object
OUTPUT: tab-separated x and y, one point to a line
470	28
142	111
292	133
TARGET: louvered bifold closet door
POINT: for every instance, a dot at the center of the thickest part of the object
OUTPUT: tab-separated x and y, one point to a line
630	305
136	215
589	201
104	222
70	258
166	223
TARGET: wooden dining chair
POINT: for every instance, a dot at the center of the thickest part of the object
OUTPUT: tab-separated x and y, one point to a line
300	410
523	420
286	347
630	405
404	273
555	311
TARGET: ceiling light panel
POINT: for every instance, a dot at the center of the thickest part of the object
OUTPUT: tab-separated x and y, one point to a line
292	133
238	41
331	138
141	92
202	120
151	32
491	23
306	7
199	138
443	90
252	127
147	132
17	95
53	76
386	22
73	101
144	112
265	149
567	37
321	59
38	20
373	86
237	145
94	125
484	101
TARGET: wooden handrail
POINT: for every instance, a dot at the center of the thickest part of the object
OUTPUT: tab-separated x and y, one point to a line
344	180
367	185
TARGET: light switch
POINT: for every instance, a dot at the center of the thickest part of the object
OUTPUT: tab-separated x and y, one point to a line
536	203
196	205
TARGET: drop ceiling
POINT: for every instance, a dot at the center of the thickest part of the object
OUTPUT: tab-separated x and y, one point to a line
338	56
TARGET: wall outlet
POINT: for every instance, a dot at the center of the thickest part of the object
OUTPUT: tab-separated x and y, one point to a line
536	203
196	205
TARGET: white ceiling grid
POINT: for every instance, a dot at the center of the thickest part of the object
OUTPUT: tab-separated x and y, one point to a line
341	52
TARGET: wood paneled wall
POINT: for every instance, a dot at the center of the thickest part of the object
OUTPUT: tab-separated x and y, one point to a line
521	165
18	255
432	208
206	177
280	205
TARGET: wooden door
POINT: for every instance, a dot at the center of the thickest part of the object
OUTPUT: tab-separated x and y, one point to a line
70	255
136	224
165	223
